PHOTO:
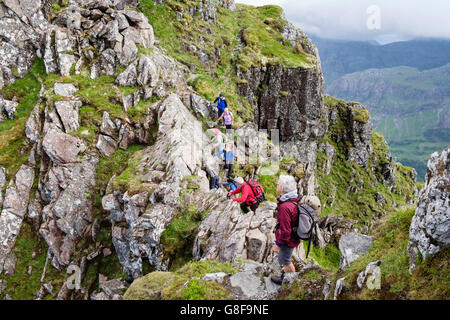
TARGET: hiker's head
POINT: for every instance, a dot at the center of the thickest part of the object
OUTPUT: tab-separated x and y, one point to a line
226	110
286	184
222	96
239	180
228	147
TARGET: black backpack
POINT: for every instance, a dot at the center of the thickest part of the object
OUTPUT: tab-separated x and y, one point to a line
306	224
258	191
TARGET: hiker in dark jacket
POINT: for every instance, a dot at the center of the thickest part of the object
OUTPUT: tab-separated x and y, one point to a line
221	104
228	158
247	199
287	218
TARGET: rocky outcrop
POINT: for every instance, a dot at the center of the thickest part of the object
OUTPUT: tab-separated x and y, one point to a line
290	100
7	108
352	246
430	226
23	25
11	217
66	190
226	234
176	154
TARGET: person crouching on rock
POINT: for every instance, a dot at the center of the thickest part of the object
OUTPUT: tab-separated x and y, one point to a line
247	199
287	217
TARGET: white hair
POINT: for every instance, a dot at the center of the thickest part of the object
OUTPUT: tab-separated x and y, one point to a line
287	183
239	180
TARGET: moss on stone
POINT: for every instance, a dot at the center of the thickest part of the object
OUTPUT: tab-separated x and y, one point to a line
184	284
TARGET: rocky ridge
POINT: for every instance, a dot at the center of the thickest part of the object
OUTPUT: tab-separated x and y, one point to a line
153	105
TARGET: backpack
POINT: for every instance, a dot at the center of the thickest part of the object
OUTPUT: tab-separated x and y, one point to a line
258	191
306	224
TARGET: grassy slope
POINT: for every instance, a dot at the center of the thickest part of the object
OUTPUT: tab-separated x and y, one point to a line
430	279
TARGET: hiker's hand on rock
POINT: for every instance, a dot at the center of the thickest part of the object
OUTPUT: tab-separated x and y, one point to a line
276	248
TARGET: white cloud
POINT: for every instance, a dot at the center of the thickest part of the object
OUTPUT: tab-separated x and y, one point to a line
400	19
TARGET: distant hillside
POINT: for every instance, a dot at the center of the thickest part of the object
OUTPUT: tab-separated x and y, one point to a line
344	57
410	107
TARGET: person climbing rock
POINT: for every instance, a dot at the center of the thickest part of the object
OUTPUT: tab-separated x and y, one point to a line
228	118
247	200
221	104
212	173
228	158
231	184
287	217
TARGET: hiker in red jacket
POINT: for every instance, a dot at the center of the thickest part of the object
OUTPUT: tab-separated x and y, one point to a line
287	218
247	199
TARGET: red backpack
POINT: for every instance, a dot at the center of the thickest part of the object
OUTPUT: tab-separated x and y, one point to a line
258	191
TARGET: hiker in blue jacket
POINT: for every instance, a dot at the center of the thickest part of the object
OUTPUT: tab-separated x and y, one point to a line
221	104
228	157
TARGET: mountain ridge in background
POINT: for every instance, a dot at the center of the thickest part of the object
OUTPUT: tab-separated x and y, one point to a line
403	84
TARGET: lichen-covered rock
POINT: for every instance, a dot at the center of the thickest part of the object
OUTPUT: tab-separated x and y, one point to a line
12	215
226	234
106	145
430	226
64	89
352	246
23	25
68	113
61	147
67	191
147	212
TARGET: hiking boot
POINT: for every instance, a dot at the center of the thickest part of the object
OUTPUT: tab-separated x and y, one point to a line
129	280
277	279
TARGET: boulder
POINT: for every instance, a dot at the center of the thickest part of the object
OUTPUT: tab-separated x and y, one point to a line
11	217
64	89
352	246
106	145
430	227
67	215
68	113
61	147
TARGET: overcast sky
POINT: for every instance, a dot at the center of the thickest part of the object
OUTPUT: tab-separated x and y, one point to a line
349	19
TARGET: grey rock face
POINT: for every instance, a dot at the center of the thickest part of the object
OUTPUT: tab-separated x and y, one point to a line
2	184
200	106
106	145
65	89
68	113
226	234
7	108
147	215
361	136
430	227
33	125
330	152
12	215
62	148
68	190
340	287
23	25
372	268
352	246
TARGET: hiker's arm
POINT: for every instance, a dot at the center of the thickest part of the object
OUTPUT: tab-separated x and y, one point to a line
216	100
285	226
243	197
218	153
236	191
